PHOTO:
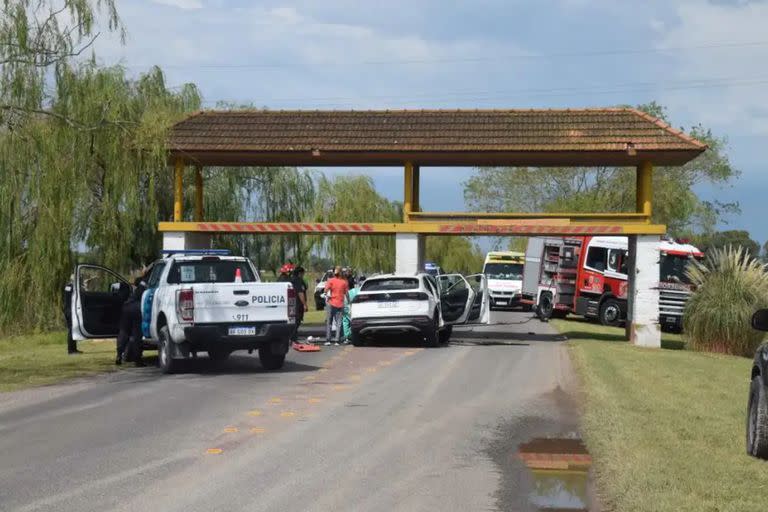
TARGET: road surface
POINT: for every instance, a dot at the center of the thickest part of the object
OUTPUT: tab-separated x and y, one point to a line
381	428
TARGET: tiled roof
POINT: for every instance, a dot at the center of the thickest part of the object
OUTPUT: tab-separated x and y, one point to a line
402	131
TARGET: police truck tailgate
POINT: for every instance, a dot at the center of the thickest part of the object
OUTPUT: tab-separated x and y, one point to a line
252	302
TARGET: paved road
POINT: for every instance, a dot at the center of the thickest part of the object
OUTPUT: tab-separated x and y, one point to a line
391	427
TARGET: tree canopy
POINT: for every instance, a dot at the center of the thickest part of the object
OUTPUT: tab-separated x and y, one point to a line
735	238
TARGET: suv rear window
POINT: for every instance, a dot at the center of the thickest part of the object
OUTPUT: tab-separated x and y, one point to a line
209	271
388	284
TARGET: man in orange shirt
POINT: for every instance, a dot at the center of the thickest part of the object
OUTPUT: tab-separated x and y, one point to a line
336	292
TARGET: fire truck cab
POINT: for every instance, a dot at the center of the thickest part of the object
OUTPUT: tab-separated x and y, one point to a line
588	276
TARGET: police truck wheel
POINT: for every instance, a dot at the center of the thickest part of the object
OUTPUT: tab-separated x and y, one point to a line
610	313
269	360
165	354
757	420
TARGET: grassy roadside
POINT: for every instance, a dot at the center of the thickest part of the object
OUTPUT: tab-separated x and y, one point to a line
39	359
665	427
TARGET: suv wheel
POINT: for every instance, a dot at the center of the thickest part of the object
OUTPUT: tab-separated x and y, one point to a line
445	334
165	354
356	338
269	360
432	334
757	420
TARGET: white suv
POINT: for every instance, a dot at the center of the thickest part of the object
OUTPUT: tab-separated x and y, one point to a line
418	303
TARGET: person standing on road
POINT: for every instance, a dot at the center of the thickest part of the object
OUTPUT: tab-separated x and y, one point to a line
67	305
337	291
301	296
130	339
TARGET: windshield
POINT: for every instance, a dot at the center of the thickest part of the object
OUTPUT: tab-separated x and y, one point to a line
394	283
505	271
210	271
673	269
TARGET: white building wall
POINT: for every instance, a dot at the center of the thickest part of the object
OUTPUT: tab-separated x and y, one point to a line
643	294
180	241
409	253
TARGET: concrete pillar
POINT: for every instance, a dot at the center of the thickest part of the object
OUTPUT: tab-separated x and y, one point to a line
409	253
180	241
643	291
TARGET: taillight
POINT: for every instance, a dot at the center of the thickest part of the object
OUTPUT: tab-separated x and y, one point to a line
185	305
362	298
291	302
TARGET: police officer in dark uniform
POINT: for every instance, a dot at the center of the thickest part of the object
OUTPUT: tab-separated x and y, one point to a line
301	297
67	306
130	339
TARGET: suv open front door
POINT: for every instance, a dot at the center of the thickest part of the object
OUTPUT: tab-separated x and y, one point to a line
98	295
456	298
480	311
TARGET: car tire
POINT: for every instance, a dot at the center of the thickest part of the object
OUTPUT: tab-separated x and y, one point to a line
356	338
757	419
445	334
610	313
165	359
432	335
269	360
545	307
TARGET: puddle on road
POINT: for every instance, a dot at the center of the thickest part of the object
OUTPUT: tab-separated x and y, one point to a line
560	473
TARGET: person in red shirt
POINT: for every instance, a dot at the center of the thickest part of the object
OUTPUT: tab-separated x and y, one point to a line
336	292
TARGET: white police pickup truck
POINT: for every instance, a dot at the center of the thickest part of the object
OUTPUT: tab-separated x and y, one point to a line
194	302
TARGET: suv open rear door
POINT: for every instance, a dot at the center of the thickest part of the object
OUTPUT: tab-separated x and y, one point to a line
98	294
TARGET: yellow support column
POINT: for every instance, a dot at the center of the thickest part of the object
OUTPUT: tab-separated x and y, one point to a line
178	191
416	197
644	189
198	193
408	192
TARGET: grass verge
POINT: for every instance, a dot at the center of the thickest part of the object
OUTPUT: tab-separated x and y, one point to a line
39	359
665	427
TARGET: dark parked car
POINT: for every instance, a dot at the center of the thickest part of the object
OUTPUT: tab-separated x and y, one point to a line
757	410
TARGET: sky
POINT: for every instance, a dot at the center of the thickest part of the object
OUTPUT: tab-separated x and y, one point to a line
703	60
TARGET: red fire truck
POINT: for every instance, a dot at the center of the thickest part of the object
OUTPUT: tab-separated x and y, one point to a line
587	276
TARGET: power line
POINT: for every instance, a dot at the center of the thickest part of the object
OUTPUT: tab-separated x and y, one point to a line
485	96
460	60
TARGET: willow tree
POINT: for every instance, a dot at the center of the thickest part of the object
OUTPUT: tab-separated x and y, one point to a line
354	199
268	194
82	160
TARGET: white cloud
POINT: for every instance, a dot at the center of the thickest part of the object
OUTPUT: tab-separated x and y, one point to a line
737	102
181	4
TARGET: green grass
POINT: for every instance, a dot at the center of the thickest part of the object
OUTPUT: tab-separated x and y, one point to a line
665	427
314	317
39	359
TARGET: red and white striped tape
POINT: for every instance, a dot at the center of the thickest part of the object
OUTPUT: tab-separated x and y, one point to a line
280	227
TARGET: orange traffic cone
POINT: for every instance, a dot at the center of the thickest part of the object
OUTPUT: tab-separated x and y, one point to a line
238	276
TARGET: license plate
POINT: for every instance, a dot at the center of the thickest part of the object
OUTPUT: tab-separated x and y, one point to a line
387	305
242	331
501	302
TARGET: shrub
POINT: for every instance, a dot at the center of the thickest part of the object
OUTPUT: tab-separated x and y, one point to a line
730	286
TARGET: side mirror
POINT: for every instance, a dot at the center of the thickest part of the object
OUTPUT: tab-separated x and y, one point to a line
760	320
317	280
